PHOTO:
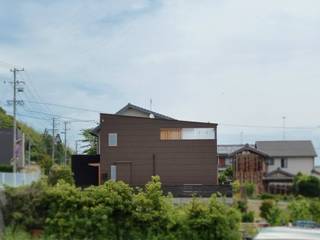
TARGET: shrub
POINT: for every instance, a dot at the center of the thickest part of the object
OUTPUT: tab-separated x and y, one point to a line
242	206
306	185
266	207
248	217
214	221
60	172
45	162
249	189
114	211
299	210
6	168
315	210
265	196
26	206
272	213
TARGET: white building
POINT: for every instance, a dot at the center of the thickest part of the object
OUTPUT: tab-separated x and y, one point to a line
289	156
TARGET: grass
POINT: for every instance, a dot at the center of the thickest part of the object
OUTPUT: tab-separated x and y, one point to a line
18	234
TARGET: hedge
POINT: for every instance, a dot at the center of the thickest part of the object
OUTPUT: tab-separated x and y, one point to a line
115	211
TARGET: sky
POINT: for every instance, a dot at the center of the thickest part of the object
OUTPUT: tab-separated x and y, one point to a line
242	64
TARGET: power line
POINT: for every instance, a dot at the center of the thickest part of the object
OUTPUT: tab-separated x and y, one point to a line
265	126
65	106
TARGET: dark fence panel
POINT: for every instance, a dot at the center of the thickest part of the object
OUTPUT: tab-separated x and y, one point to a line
198	190
84	174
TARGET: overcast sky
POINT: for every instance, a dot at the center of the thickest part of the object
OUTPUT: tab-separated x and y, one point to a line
225	61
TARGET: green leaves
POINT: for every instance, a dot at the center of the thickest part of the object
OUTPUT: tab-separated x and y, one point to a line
115	211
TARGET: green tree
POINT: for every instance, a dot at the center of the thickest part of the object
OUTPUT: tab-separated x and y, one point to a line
60	172
306	185
91	140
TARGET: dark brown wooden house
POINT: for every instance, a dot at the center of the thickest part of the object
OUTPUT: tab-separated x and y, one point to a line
136	143
250	166
133	149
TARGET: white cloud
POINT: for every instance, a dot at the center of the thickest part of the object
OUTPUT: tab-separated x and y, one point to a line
229	61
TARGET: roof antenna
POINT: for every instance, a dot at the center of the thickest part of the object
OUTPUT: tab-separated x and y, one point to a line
284	127
150	104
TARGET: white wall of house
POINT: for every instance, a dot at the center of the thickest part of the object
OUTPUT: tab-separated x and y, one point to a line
295	165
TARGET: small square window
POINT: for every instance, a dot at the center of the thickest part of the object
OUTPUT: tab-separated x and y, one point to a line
112	139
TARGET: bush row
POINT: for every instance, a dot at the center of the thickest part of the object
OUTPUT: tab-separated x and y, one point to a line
299	209
116	211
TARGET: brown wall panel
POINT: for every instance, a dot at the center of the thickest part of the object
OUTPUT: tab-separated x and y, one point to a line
176	161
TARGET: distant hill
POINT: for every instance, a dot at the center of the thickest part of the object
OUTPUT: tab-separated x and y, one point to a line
41	143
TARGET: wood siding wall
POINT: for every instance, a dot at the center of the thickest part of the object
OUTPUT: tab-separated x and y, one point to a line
177	162
250	167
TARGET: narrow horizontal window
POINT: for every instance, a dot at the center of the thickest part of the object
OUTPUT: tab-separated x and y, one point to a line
112	139
187	133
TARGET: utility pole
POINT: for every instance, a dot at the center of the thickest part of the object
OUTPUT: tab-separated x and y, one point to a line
53	137
65	141
15	82
77	141
29	150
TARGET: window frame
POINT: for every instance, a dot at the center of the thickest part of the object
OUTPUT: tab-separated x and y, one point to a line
284	162
110	135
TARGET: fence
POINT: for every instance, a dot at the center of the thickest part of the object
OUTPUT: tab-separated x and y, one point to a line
18	179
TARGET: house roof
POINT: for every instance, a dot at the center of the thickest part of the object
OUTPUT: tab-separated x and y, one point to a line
249	148
227	149
143	110
287	148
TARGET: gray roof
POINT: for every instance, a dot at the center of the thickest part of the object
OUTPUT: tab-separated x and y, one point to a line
249	148
140	109
227	149
287	148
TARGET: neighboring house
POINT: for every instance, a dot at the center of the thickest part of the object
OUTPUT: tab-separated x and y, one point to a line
6	146
316	172
282	161
135	144
250	166
224	155
289	156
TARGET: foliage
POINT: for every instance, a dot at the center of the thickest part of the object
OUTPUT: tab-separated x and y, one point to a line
266	207
299	210
315	209
60	172
248	217
226	176
236	186
215	221
306	185
41	146
16	234
249	189
270	211
115	211
91	141
45	163
242	206
25	206
6	168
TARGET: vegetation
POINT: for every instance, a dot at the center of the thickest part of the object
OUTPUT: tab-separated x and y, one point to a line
6	168
249	189
60	172
226	176
91	141
270	211
305	185
116	211
41	146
